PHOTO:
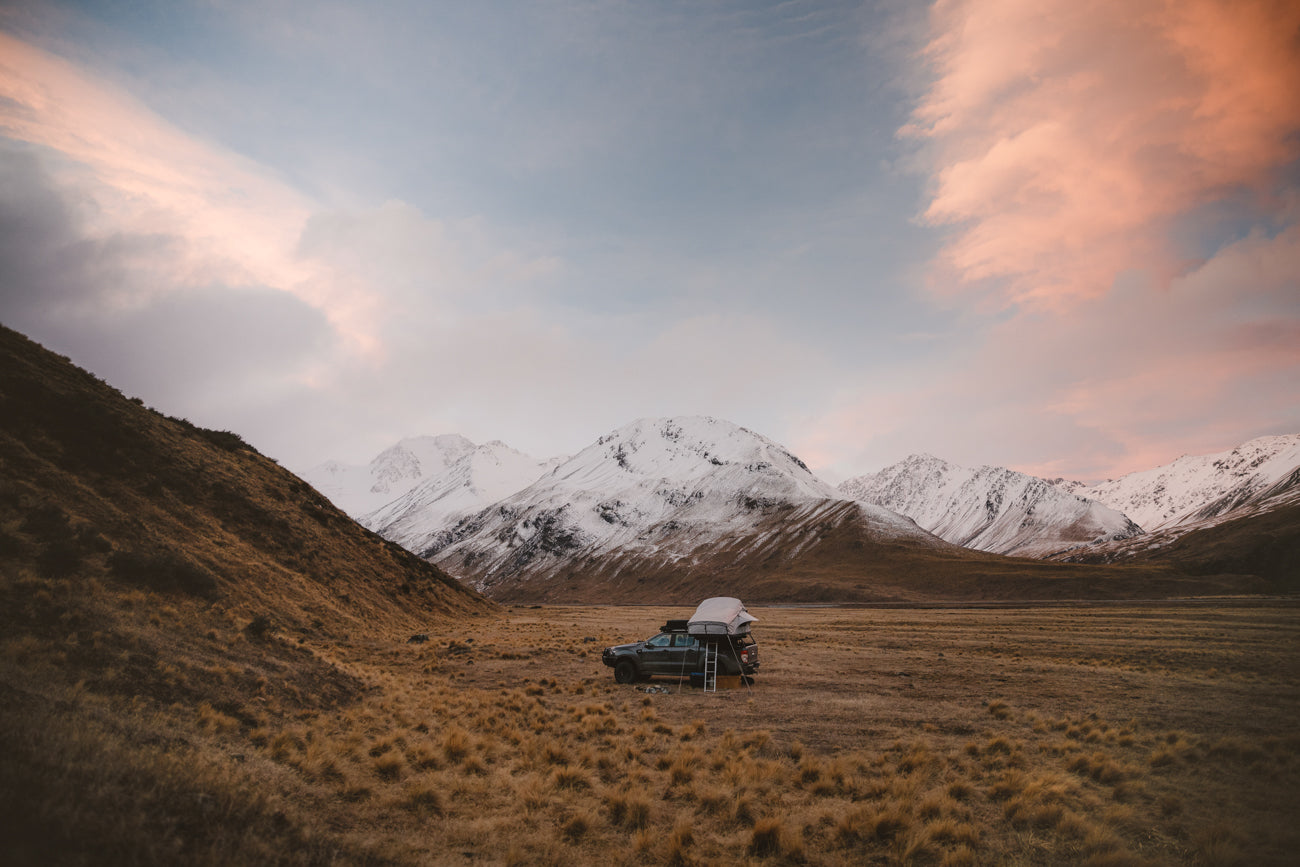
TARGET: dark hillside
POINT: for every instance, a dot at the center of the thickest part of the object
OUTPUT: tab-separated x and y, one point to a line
95	485
151	573
1263	544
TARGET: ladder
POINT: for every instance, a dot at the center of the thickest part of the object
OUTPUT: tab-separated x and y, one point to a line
711	666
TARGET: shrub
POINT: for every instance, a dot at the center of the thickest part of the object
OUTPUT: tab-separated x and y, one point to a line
962	856
58	561
423	799
744	811
455	744
680	843
628	811
768	837
577	826
570	778
389	765
259	627
48	523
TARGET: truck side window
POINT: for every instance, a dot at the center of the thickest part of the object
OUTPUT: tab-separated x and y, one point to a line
660	640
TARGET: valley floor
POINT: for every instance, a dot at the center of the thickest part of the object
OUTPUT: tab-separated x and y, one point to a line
1089	734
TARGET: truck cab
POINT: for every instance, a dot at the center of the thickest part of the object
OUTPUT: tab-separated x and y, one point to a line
674	652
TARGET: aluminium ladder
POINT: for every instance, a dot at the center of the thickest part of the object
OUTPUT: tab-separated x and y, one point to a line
711	666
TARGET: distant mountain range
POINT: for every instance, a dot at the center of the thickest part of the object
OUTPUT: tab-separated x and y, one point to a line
1196	488
479	477
655	494
682	499
660	510
991	508
1131	519
359	489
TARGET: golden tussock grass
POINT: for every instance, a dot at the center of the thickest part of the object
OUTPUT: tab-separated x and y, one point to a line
413	765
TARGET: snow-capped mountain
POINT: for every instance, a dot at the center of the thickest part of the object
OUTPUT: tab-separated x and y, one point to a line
654	492
489	473
991	508
1195	488
359	489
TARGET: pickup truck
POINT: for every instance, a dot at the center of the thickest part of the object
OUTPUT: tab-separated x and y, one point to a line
676	653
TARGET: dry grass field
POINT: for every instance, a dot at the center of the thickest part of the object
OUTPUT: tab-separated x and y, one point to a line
1097	735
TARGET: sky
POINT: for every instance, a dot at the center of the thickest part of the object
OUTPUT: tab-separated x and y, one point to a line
1061	236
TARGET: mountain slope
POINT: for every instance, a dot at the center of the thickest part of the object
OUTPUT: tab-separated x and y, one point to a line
477	479
989	509
654	492
97	486
1199	487
1258	537
673	510
359	490
173	606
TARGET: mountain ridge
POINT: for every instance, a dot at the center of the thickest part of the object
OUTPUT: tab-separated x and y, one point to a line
990	509
653	491
361	488
1198	487
485	475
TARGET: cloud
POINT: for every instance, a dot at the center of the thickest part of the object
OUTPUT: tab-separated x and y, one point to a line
1065	137
149	175
1128	380
198	280
1072	147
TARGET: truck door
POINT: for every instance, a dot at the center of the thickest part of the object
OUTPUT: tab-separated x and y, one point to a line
684	654
655	656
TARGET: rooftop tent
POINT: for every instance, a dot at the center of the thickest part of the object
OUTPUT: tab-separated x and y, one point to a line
720	615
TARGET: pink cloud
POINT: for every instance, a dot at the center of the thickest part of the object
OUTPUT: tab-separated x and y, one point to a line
151	176
1065	140
233	222
1065	135
1129	380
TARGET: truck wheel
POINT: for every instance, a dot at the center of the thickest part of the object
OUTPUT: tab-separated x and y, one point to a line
625	671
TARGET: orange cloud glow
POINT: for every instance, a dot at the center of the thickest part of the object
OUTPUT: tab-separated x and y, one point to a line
1066	134
238	224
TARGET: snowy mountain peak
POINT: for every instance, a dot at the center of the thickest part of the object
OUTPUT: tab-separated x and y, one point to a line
685	450
1197	487
990	508
358	489
656	490
414	458
482	476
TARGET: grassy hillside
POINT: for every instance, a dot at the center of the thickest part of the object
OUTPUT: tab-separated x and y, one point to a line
146	564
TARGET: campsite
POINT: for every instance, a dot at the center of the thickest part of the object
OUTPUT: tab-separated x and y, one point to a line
1065	734
1095	734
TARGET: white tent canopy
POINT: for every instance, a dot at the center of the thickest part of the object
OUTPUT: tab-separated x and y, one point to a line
720	615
